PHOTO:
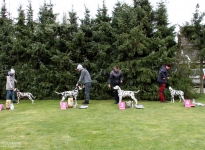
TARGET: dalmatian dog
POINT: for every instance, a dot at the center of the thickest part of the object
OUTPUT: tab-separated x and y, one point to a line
122	94
73	93
24	94
175	93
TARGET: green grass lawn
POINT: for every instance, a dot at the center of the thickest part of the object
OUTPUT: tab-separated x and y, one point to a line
160	126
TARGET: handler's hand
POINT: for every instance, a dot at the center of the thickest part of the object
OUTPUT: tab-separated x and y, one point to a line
76	84
109	85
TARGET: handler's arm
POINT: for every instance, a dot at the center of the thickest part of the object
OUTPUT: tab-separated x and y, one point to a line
82	75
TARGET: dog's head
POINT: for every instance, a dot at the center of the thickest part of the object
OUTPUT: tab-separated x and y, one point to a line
79	88
170	88
16	90
116	87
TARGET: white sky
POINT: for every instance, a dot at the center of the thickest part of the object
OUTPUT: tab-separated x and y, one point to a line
179	11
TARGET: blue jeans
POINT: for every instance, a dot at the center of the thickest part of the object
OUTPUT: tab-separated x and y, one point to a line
8	92
87	91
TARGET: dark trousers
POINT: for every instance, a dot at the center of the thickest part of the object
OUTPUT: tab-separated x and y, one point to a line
87	91
161	91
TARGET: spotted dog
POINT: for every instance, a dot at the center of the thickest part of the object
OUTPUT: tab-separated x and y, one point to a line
24	94
73	93
175	93
122	93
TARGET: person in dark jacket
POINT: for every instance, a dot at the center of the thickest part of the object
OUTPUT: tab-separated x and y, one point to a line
86	80
115	78
162	79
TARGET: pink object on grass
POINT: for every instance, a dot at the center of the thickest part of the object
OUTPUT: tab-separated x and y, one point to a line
187	103
63	105
1	106
122	105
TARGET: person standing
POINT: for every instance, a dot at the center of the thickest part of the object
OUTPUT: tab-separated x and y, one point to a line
115	78
86	80
10	85
162	79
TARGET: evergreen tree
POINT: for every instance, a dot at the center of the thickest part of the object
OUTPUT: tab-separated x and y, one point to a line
43	50
102	47
6	41
167	49
141	49
29	17
194	32
86	27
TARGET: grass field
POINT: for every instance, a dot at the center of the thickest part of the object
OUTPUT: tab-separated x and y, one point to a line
160	126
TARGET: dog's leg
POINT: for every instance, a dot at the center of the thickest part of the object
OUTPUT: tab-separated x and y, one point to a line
183	97
75	105
18	100
172	99
63	98
29	97
120	98
133	97
179	98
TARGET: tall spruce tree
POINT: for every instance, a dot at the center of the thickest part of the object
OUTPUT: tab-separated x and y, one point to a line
168	51
194	32
137	46
102	47
86	27
43	49
6	41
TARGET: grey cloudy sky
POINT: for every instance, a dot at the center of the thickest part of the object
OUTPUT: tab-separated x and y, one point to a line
179	11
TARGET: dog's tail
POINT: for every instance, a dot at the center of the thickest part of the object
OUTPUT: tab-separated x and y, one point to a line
58	93
34	96
137	91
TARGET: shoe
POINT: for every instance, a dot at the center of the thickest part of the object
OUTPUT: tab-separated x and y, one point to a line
116	102
85	102
14	102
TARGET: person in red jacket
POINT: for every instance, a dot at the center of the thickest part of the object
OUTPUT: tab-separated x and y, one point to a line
162	79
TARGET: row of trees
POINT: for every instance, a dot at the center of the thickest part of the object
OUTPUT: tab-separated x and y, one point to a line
45	53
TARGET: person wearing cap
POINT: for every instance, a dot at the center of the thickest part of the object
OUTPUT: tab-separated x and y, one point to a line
10	85
115	78
162	79
86	80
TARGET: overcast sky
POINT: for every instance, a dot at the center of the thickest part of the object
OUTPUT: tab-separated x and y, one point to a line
179	11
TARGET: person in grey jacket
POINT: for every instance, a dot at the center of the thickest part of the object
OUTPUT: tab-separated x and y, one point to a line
162	79
86	80
10	85
115	78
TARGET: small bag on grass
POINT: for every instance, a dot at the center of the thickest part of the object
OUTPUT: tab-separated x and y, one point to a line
8	102
70	103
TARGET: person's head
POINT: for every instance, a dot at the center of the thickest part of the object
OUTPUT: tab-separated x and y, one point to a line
116	68
167	66
12	72
79	67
